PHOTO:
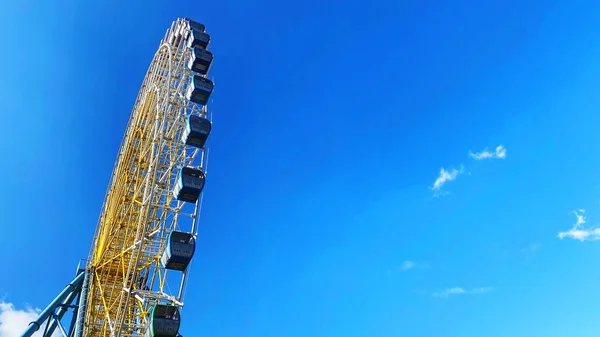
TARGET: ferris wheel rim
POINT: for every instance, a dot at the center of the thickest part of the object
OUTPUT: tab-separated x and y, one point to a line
164	88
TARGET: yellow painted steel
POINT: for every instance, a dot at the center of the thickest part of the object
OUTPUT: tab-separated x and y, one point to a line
139	209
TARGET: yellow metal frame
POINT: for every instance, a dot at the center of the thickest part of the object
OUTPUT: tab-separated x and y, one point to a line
139	200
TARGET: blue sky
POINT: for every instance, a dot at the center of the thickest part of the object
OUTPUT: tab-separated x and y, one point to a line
332	123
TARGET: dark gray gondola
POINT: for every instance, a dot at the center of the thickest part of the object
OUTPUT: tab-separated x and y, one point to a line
163	321
198	39
196	132
189	185
200	61
179	251
195	25
199	90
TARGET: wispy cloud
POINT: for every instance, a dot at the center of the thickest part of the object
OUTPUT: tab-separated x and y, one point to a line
500	153
534	247
13	321
444	177
481	290
461	291
450	291
408	265
447	175
577	232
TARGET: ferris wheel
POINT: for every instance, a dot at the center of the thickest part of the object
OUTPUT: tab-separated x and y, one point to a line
134	280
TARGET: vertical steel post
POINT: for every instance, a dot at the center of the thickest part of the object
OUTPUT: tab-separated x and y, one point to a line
81	311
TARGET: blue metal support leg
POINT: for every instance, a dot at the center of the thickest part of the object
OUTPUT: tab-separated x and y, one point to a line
62	310
72	288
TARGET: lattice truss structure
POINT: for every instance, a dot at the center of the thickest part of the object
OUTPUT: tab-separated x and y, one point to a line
140	209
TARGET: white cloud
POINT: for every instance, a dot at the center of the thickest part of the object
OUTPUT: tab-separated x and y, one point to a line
444	177
461	291
579	233
13	321
580	218
500	153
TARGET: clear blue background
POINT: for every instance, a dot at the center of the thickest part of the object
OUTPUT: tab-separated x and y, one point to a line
331	121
